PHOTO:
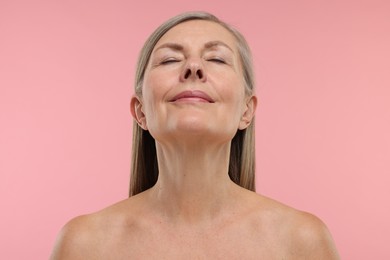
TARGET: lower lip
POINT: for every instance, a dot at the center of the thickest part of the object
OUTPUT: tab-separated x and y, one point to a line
191	100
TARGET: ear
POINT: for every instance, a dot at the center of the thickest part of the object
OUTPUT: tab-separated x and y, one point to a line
137	112
249	112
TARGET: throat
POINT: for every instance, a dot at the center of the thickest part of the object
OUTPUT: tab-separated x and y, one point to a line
192	186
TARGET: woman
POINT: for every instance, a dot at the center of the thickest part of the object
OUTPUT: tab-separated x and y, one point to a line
192	186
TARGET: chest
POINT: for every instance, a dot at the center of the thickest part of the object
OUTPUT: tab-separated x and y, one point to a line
206	244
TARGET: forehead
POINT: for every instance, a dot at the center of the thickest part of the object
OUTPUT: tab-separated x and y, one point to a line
198	31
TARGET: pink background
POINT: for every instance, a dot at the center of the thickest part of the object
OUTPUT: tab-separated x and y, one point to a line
323	124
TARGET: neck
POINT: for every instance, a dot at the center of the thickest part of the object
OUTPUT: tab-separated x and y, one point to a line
193	183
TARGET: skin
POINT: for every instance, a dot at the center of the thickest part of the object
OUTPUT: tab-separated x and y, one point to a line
195	211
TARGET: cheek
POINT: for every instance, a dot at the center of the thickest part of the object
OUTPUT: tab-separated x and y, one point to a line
236	102
149	101
157	82
154	91
233	100
151	88
232	91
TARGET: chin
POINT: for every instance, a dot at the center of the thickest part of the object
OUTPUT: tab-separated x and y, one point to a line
197	131
192	128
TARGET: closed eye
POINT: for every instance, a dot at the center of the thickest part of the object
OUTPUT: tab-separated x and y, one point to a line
217	60
168	61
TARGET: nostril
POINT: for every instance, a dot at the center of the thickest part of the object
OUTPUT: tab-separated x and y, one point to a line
199	73
188	73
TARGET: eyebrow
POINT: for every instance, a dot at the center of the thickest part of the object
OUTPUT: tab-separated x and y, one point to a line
208	45
213	44
170	45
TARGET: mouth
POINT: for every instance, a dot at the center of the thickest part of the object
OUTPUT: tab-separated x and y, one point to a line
192	96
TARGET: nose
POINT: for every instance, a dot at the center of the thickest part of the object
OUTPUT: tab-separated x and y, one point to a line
193	70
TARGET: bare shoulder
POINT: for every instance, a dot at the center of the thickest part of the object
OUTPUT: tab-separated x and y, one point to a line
305	235
74	240
85	236
312	238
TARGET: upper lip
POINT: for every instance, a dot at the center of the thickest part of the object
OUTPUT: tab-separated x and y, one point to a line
192	93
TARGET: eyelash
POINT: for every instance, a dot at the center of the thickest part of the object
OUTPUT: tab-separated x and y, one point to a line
216	60
169	61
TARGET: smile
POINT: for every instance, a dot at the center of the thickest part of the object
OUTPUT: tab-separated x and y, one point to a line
192	96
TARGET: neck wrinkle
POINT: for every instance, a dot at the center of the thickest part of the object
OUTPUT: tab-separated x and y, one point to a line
193	184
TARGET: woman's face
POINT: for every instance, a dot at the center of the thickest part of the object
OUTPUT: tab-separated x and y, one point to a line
193	85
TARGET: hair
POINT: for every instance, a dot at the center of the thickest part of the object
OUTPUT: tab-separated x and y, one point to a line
144	165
